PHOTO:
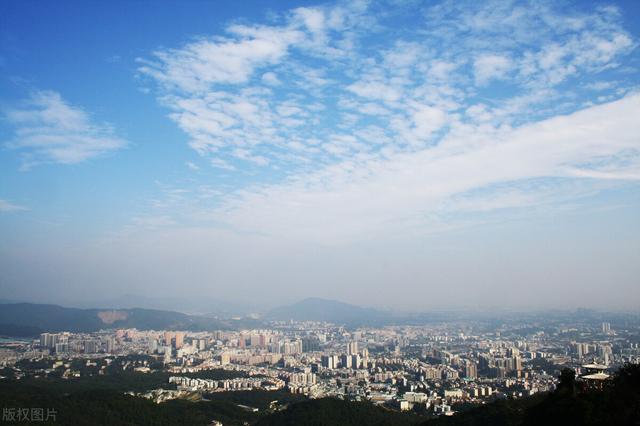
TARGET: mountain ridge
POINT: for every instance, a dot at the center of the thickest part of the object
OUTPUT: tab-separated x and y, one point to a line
328	310
35	318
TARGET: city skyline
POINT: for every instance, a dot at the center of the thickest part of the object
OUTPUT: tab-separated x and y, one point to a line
456	367
404	155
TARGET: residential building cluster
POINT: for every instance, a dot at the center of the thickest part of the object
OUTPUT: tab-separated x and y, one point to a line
433	367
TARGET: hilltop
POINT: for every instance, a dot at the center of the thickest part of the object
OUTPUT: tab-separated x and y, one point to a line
30	319
317	309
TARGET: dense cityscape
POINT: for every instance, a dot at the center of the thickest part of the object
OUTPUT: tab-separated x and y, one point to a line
433	369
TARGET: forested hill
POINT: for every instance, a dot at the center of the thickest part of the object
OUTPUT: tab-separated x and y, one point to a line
29	319
100	400
617	404
331	411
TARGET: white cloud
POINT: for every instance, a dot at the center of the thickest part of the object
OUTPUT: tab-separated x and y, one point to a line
247	96
441	70
479	113
271	79
245	154
427	119
199	65
345	115
312	18
601	85
192	165
48	129
491	67
227	93
6	206
375	90
350	200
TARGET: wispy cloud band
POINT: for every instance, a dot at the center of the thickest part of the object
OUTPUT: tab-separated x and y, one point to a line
7	206
47	129
378	129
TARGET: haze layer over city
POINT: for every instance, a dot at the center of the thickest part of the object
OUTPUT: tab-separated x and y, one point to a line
407	156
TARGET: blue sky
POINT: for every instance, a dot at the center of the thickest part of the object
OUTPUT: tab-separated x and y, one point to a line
450	150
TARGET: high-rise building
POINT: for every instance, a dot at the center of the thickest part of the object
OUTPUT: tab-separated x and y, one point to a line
345	361
48	340
484	361
255	340
167	354
517	363
168	337
111	345
62	348
292	348
325	360
179	336
202	344
498	372
275	347
365	358
471	370
606	327
91	346
352	348
305	378
310	344
582	349
355	361
329	361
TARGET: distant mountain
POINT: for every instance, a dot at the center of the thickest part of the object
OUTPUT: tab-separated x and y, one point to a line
197	305
316	309
18	319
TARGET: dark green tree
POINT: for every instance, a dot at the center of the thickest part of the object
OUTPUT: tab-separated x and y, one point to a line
567	384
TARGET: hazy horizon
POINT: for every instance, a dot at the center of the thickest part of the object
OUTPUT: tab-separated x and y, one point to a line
401	155
228	308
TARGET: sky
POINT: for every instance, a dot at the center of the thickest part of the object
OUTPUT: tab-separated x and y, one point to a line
400	154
